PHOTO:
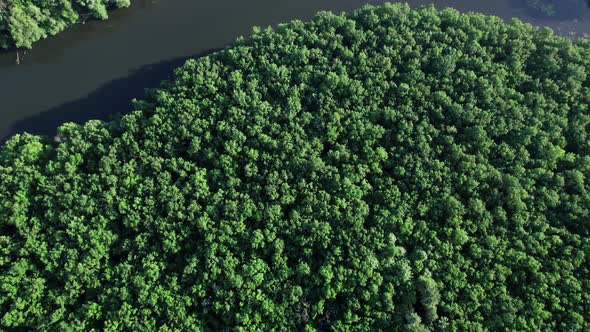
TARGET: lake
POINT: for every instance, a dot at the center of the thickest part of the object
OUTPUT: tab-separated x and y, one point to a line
93	70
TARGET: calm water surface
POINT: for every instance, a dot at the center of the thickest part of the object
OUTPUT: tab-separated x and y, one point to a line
94	70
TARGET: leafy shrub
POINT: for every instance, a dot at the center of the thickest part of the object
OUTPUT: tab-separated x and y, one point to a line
389	169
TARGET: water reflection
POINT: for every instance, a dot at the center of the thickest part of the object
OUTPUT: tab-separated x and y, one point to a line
554	9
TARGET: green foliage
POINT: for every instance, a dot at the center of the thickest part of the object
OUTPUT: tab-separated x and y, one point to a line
390	169
23	22
24	25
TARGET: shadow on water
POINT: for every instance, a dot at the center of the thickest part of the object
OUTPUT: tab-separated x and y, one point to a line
554	9
110	99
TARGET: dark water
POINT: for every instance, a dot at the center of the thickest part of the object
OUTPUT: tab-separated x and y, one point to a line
94	70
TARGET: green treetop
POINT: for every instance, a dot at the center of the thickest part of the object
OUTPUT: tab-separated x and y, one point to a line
389	169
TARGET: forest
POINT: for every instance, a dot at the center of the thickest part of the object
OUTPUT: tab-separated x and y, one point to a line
23	22
389	169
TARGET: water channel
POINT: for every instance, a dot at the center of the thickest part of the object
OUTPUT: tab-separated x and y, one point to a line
93	70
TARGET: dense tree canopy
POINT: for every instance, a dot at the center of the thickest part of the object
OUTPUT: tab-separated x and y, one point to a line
388	169
23	22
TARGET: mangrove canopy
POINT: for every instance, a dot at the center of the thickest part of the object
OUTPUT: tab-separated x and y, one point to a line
389	169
